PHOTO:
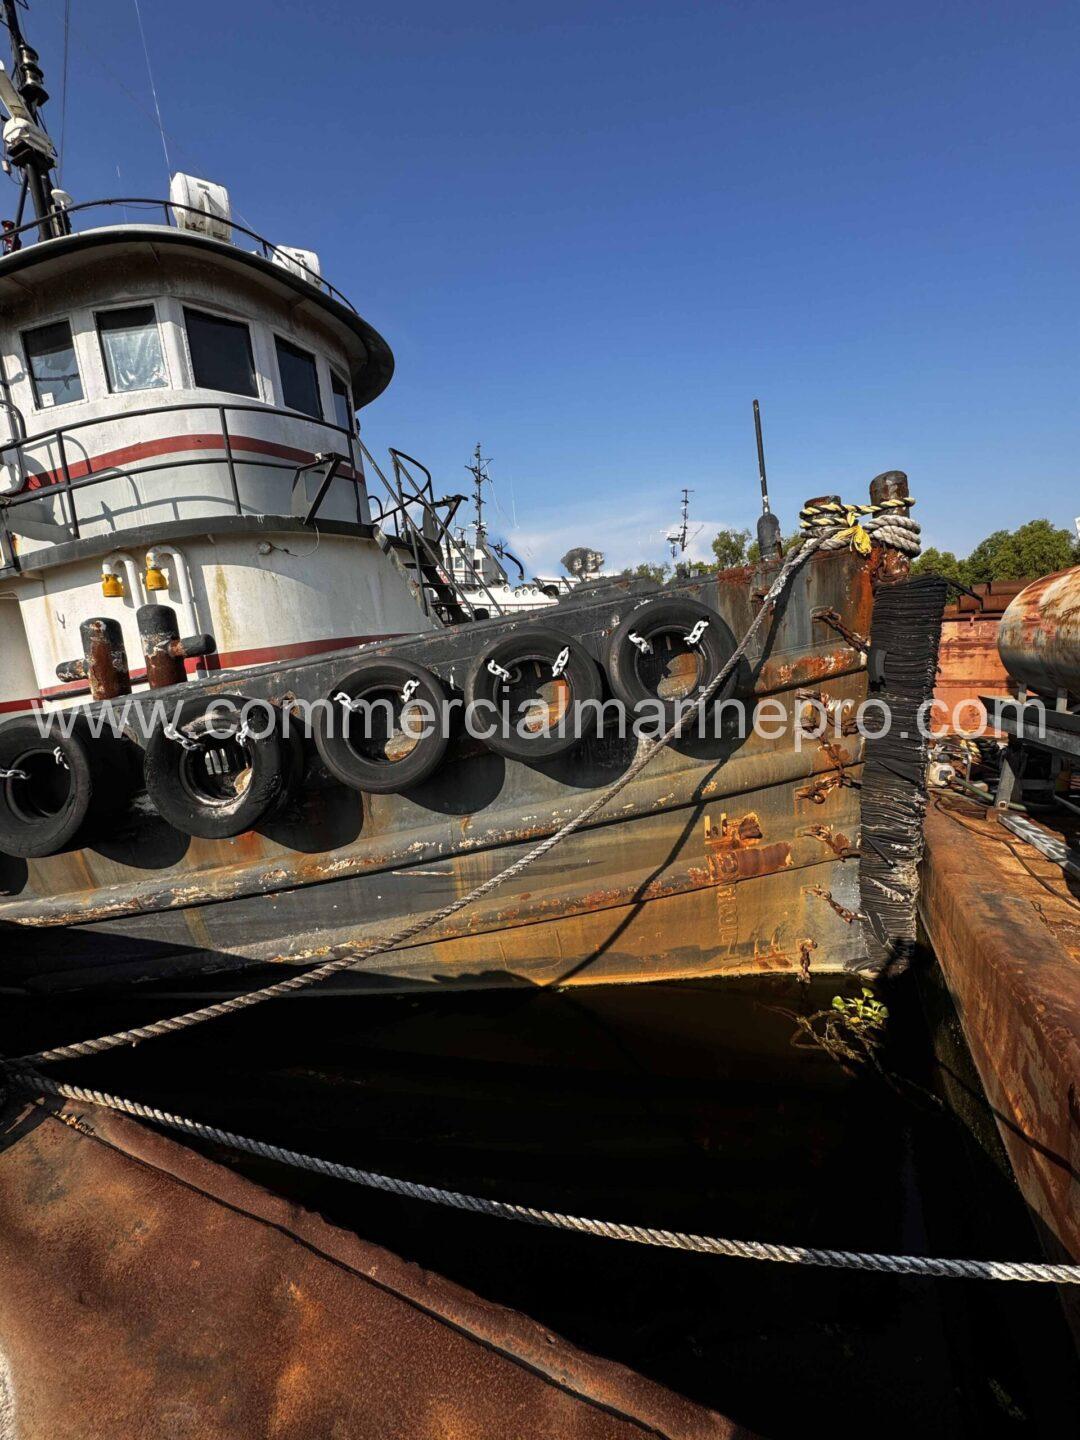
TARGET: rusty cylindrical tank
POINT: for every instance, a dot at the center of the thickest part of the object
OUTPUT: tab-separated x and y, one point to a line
1039	639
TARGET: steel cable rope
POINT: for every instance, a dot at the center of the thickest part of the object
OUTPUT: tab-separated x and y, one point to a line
949	1269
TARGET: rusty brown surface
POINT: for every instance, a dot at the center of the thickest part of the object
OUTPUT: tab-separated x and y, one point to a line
103	663
968	661
147	1292
1005	926
1039	638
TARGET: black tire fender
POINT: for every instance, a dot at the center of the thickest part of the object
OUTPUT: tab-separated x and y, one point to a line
198	799
635	650
57	790
544	654
350	742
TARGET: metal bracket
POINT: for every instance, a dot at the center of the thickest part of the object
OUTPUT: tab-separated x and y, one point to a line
325	467
827	616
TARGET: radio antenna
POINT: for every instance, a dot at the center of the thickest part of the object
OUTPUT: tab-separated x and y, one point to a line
768	526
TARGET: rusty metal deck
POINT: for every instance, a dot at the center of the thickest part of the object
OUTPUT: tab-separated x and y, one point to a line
1005	924
145	1292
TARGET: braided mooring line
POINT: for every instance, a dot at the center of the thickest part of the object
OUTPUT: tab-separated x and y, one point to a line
1047	1274
348	956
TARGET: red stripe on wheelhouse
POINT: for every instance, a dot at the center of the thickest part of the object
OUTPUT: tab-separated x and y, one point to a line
167	444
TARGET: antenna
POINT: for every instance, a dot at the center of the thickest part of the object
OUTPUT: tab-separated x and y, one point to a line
768	526
478	470
678	537
26	141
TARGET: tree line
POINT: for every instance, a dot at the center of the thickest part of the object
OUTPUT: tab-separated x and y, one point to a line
1037	548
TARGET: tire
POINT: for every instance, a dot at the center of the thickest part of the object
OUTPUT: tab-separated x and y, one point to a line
228	784
638	677
68	788
367	753
534	656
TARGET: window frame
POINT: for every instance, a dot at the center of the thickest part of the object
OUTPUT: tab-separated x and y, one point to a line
280	339
35	394
353	427
200	309
151	305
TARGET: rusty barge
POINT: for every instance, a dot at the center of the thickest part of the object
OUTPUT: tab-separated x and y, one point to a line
1000	901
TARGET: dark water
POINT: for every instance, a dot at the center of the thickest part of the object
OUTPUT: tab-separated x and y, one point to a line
684	1106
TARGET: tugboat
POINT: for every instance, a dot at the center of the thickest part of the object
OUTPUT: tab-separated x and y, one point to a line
189	516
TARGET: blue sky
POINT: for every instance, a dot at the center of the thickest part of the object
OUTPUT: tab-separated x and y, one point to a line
593	232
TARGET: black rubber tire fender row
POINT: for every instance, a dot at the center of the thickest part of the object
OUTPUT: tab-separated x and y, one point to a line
60	792
538	655
634	649
197	799
349	739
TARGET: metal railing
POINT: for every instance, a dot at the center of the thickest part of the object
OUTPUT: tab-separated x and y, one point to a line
69	487
427	534
433	529
168	208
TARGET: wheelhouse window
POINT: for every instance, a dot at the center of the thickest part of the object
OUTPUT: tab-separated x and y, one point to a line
131	347
343	409
221	357
299	379
54	371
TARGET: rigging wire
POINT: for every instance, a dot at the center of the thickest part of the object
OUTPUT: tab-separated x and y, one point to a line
118	80
153	89
64	94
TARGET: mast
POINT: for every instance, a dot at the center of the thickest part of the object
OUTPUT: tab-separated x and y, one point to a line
684	530
678	537
25	137
478	470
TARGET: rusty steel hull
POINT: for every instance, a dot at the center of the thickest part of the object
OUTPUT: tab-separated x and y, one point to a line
1002	921
726	855
133	1274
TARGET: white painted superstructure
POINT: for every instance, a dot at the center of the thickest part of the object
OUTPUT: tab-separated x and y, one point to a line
167	397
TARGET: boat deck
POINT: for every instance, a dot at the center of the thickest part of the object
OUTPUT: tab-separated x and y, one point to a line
1004	922
154	1260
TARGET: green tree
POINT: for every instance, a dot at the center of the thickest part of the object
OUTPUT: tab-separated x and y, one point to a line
729	547
983	564
656	573
939	562
1037	548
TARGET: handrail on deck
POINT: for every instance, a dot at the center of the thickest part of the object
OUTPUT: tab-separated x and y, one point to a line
168	208
68	486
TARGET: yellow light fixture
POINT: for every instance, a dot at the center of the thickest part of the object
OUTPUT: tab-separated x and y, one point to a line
155	578
111	585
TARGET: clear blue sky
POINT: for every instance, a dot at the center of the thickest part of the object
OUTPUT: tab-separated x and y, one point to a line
592	232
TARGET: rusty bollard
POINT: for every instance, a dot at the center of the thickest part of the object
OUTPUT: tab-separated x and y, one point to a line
889	485
104	660
164	650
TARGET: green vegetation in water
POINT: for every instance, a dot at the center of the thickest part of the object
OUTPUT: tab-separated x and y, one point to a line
851	1030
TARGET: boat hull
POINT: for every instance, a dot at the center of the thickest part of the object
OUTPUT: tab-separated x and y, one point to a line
736	853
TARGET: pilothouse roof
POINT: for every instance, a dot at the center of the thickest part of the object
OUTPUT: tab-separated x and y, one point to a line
371	359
